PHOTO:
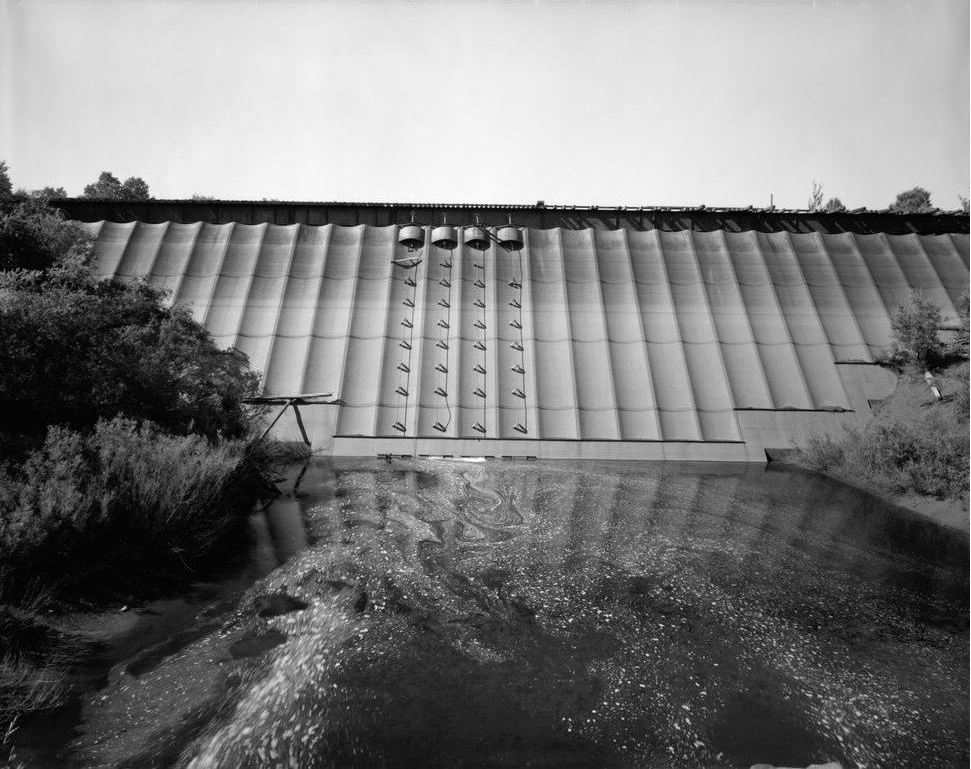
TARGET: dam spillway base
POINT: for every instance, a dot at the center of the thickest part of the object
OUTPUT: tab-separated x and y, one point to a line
589	343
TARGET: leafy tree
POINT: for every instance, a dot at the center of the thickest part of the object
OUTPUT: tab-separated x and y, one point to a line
964	202
74	350
135	188
6	187
915	201
833	206
915	328
108	187
45	193
198	197
9	198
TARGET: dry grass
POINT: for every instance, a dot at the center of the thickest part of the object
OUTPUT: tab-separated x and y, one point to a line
34	660
25	687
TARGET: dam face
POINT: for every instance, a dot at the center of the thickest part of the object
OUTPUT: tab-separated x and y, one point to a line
617	343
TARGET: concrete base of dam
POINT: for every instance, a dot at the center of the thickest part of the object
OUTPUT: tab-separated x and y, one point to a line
763	432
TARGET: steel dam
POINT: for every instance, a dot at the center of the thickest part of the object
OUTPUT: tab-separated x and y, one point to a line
586	343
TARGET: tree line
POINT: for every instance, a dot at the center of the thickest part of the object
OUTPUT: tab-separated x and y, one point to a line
916	200
107	187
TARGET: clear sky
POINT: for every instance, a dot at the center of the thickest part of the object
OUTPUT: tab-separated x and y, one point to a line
660	102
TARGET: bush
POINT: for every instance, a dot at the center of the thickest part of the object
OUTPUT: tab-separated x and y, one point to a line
822	452
73	351
35	237
123	431
929	456
126	492
915	332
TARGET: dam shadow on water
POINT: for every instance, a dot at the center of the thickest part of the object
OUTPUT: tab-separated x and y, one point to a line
568	614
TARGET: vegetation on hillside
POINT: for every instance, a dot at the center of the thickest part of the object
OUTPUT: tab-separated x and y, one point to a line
125	449
916	443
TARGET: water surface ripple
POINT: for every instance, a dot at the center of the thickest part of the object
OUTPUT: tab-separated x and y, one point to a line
571	614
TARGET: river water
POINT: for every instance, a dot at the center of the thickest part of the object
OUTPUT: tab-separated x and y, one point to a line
437	613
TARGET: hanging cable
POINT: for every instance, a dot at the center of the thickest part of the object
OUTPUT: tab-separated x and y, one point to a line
517	303
407	341
445	302
480	283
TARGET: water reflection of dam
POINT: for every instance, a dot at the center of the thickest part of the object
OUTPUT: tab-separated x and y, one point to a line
587	343
705	606
770	520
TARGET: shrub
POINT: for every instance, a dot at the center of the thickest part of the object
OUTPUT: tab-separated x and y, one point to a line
73	351
928	456
822	452
35	237
123	431
915	331
125	492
